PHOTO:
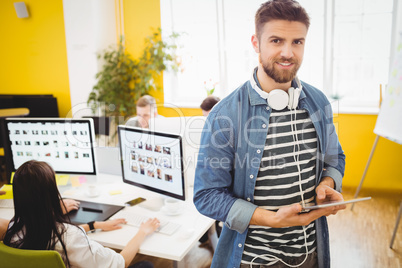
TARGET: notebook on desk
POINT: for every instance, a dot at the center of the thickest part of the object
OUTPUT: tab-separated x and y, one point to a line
91	211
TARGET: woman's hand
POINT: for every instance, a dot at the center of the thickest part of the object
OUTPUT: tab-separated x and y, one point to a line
69	204
149	226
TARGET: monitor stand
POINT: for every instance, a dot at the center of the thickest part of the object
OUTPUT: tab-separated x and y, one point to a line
154	203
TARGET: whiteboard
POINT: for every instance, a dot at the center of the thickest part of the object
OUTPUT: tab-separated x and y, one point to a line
389	120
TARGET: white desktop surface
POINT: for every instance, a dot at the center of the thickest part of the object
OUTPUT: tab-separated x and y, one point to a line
173	247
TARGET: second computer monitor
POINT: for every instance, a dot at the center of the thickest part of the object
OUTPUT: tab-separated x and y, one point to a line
152	160
65	143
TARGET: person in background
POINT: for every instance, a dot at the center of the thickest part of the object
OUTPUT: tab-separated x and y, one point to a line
208	103
39	223
146	110
268	149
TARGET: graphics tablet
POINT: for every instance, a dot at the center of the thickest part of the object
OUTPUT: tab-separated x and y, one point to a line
91	211
334	203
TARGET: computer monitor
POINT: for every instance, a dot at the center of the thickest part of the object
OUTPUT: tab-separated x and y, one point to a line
66	144
152	160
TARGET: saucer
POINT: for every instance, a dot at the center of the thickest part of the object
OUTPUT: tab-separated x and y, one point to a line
171	213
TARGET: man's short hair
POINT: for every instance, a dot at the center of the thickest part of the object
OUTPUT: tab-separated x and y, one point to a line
209	102
146	100
289	10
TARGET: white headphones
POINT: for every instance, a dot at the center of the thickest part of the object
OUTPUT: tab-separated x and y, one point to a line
278	99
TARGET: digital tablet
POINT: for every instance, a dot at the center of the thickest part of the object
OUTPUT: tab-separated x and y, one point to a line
334	203
91	211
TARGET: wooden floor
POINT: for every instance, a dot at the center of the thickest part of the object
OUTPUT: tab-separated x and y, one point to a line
358	238
361	238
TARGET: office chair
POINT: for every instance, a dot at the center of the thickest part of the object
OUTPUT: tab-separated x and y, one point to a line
16	258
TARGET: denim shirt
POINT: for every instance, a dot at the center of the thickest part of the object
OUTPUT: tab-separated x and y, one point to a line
232	145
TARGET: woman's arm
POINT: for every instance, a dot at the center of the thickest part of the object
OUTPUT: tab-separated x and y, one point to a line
131	249
105	225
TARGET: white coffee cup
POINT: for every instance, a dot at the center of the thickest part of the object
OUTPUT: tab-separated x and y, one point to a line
172	206
92	190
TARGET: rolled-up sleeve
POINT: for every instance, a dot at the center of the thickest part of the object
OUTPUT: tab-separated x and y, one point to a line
335	175
240	215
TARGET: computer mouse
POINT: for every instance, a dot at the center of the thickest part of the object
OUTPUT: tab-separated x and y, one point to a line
187	233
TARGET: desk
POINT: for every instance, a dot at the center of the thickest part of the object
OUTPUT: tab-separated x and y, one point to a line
173	247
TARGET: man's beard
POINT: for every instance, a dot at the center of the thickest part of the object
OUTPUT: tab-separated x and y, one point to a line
280	76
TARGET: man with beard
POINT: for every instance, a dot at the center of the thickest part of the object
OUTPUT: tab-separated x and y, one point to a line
267	149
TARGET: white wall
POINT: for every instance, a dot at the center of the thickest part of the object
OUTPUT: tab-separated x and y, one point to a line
90	27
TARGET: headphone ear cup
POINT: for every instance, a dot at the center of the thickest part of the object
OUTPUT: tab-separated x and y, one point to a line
278	99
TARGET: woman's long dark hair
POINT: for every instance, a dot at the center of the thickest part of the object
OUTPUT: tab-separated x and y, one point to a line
38	215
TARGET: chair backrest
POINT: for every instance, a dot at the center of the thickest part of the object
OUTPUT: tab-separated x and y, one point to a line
15	258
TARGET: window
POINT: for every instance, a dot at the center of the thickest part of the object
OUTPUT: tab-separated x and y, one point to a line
361	50
346	55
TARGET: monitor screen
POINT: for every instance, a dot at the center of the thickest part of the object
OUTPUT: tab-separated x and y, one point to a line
66	144
152	160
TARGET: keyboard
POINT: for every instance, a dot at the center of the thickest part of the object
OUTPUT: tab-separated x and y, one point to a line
6	203
166	227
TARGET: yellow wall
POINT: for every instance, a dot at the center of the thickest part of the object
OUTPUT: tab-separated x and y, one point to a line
33	51
141	19
357	138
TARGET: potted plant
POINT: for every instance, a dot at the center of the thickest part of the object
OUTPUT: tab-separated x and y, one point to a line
123	79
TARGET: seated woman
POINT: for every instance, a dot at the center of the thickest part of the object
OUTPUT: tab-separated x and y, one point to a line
39	223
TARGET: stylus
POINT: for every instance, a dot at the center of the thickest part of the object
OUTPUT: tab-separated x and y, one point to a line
92	210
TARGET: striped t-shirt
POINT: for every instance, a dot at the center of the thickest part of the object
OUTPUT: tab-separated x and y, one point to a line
278	185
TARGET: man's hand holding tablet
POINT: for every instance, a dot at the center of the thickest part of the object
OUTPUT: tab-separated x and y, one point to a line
326	193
